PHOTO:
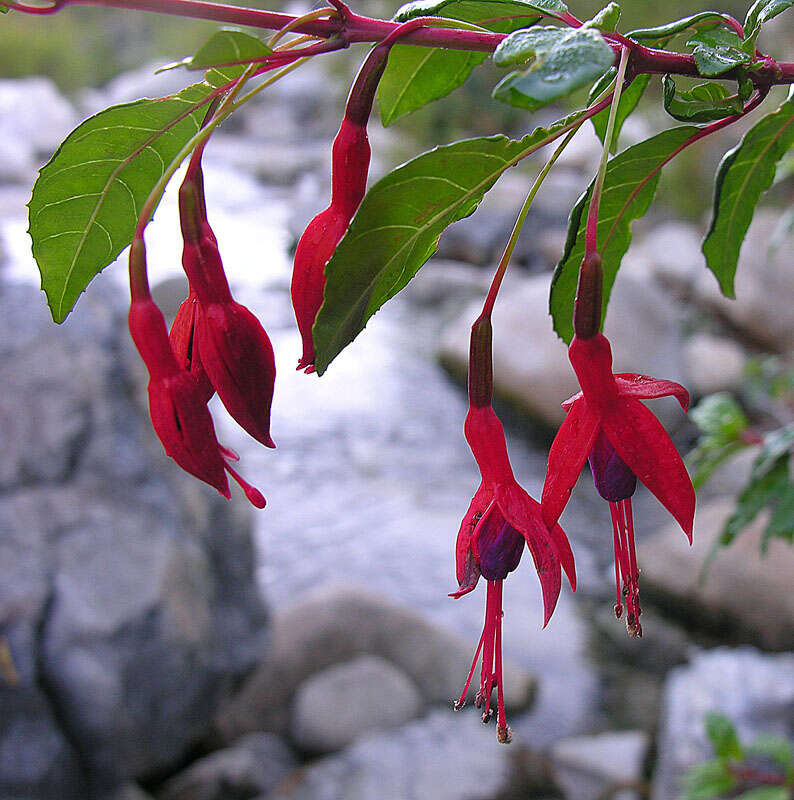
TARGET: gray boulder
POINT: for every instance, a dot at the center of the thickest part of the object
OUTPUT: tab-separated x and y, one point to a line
444	756
347	701
253	765
745	593
127	591
756	691
334	625
531	366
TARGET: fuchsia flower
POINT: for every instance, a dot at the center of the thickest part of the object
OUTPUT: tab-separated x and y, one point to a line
183	342
623	440
500	519
177	406
227	340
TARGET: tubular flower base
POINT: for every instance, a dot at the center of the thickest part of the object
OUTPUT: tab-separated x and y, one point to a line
500	518
624	441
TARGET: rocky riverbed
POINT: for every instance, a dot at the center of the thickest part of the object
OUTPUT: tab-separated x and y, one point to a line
132	602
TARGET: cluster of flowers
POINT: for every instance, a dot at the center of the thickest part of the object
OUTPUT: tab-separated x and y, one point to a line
606	424
217	345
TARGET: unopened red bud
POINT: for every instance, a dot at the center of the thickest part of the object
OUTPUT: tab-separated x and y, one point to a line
481	363
587	306
191	210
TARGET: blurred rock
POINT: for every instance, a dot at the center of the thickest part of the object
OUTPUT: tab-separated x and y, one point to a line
253	765
594	767
669	252
445	756
127	592
712	364
338	623
756	691
447	284
764	304
744	592
531	366
347	701
128	791
34	118
732	475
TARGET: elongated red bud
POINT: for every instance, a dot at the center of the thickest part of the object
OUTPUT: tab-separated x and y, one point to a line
587	306
481	363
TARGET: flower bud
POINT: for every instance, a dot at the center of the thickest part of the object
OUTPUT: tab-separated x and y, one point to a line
587	306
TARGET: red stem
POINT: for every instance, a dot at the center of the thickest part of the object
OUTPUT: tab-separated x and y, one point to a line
357	28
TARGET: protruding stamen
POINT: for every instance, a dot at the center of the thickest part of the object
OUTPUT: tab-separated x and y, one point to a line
255	497
502	731
458	704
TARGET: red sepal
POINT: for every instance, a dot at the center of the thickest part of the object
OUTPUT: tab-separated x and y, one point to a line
642	442
645	388
569	451
466	570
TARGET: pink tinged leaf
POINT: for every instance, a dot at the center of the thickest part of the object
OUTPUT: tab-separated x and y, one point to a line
569	451
645	388
644	445
523	513
529	522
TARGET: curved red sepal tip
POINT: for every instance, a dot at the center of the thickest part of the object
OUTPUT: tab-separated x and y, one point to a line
643	443
645	388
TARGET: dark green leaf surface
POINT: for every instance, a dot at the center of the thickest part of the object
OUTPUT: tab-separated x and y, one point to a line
718	50
606	19
560	61
629	99
666	32
763	10
723	738
416	76
627	193
227	46
760	493
398	226
721	423
87	199
702	103
744	174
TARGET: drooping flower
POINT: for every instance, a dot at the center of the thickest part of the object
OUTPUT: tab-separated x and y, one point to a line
233	348
178	409
501	518
183	342
607	424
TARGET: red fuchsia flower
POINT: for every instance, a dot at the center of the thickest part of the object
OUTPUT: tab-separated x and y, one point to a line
183	342
622	439
501	518
228	340
177	406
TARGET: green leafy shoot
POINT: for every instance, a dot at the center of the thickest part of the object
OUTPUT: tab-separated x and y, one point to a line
705	102
398	225
629	99
661	34
718	50
554	62
708	781
606	19
87	199
630	184
743	175
721	423
416	76
763	10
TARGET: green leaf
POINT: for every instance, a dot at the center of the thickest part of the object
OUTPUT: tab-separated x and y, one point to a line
755	497
775	748
766	793
707	781
723	738
560	61
398	225
415	76
228	46
718	50
763	10
629	187
702	103
776	444
743	175
629	99
666	32
606	19
87	198
721	422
